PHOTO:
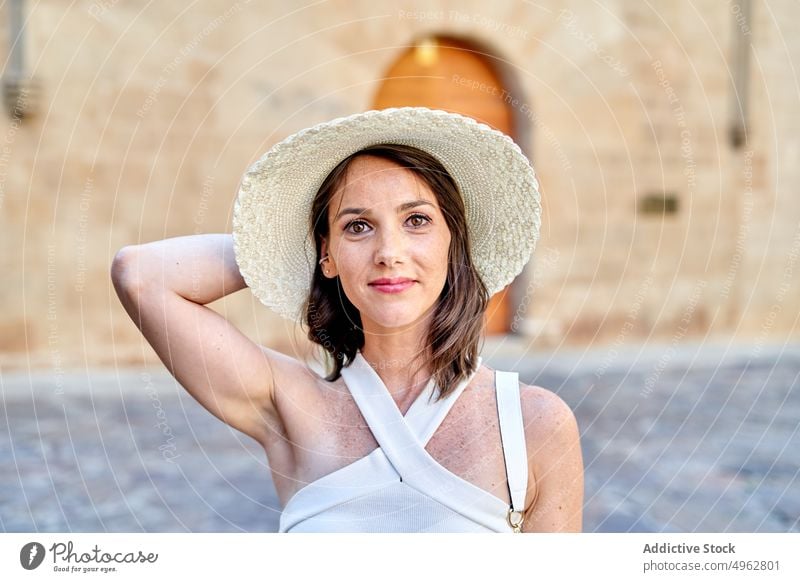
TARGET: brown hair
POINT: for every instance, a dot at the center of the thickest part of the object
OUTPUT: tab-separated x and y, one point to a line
335	324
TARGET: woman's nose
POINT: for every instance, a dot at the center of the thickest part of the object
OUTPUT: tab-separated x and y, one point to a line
391	247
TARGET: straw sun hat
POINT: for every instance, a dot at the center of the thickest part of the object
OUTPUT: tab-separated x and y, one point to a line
273	241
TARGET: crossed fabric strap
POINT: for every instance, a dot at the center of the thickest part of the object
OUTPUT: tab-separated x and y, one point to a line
405	450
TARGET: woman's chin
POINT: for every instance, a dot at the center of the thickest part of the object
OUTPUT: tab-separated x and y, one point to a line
401	322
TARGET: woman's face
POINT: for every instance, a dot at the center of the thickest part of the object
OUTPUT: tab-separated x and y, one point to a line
388	243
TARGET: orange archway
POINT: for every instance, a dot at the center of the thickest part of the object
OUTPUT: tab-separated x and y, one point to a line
447	73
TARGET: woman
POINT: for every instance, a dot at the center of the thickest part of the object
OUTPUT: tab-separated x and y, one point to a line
386	233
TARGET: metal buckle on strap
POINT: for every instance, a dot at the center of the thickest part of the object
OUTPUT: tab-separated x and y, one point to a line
514	519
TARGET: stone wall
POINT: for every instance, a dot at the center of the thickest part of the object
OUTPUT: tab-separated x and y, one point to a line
149	113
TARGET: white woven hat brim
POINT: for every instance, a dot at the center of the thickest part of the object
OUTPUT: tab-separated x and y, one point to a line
272	237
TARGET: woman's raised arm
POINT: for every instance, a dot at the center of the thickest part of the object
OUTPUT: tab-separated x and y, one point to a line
164	286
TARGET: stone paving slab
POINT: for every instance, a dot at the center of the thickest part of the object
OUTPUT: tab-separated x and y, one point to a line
695	438
703	440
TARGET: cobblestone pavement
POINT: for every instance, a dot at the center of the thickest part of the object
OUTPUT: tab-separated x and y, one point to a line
691	438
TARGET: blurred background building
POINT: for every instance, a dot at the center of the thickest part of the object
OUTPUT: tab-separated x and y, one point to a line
665	140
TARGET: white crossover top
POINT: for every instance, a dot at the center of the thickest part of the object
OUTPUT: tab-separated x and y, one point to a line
399	486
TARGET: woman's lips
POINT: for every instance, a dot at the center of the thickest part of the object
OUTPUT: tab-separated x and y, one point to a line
392	287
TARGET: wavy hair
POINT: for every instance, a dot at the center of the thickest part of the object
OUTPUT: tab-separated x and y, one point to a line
333	321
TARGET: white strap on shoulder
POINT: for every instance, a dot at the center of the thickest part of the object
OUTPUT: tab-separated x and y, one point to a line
512	433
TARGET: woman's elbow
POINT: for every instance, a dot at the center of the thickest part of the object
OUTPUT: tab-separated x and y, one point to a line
125	268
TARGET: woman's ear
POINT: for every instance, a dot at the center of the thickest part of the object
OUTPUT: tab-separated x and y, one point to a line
328	265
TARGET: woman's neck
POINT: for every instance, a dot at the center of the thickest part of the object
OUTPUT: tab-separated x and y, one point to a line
402	363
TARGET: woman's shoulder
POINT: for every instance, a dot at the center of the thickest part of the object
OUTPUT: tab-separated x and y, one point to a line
539	403
550	423
543	411
534	398
301	376
300	389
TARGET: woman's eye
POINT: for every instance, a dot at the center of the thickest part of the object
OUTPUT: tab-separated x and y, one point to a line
356	226
418	220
